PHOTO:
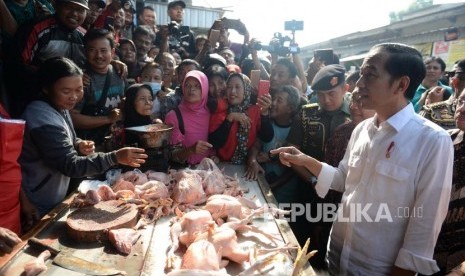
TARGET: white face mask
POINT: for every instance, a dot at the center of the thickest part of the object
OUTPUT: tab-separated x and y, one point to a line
156	87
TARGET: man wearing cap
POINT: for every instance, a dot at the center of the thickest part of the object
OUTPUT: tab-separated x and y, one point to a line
442	112
167	40
310	133
57	35
129	11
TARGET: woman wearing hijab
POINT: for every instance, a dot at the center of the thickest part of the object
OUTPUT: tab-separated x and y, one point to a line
137	109
190	121
244	121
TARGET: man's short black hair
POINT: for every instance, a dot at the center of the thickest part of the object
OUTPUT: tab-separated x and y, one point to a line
403	60
96	33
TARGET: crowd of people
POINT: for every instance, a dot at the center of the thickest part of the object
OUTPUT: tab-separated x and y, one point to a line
79	72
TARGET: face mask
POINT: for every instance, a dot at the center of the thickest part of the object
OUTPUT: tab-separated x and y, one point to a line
156	87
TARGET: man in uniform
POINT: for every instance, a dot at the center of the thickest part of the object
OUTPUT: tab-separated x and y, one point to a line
442	113
310	133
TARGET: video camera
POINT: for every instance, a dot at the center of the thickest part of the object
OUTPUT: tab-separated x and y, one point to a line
179	35
280	45
283	45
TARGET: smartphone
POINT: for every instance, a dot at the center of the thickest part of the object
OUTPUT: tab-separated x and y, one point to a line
214	37
263	87
255	78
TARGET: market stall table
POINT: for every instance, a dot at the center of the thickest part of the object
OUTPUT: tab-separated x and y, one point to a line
148	256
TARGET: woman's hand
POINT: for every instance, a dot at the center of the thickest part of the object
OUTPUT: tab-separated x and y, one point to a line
290	155
253	170
264	102
86	147
8	240
201	147
131	156
436	94
241	118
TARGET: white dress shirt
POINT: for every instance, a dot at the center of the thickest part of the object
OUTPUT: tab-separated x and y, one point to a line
400	174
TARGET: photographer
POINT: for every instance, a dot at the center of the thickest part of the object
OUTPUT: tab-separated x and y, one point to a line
175	36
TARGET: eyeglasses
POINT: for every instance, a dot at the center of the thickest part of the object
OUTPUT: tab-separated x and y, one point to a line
454	74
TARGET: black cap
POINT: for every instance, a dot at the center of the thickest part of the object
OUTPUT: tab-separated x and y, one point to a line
100	3
328	77
176	3
82	3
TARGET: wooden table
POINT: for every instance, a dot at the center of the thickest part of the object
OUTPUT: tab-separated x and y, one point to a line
148	256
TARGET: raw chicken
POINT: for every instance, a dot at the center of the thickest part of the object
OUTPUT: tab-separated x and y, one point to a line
213	179
125	194
188	188
136	177
37	266
196	272
225	206
122	184
188	227
192	224
224	239
152	190
160	176
123	239
106	193
201	255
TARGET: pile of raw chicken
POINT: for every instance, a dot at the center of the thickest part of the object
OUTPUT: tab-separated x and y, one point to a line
210	209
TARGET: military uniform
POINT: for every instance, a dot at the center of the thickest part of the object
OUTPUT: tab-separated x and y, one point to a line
315	125
441	113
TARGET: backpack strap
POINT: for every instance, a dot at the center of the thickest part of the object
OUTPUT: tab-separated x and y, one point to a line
180	120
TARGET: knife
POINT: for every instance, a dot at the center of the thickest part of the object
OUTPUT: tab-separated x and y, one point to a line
73	263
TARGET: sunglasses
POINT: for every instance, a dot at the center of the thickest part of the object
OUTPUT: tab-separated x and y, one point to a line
459	75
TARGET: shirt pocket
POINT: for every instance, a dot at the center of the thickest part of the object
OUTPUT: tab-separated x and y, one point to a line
391	184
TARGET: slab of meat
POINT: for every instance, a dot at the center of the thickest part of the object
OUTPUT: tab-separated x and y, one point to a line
89	223
196	272
188	188
37	266
123	239
201	255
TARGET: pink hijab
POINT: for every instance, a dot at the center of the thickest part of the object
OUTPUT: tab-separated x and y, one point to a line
196	117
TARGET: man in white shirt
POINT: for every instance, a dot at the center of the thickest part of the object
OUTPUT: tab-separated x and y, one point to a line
396	175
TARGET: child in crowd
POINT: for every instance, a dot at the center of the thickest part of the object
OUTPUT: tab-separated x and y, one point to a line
152	75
